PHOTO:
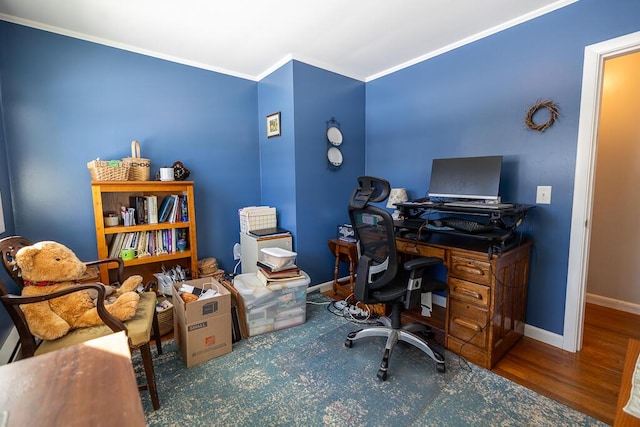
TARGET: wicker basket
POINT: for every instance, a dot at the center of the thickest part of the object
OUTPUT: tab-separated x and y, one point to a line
207	266
217	275
114	170
165	318
140	169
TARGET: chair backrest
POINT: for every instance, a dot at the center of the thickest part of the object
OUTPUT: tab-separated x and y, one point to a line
374	230
9	247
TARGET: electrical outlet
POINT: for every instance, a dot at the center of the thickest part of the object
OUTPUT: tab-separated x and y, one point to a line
543	195
236	252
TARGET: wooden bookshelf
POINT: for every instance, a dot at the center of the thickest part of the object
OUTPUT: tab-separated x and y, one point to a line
110	196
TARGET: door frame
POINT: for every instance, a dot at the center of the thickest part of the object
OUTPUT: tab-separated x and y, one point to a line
584	183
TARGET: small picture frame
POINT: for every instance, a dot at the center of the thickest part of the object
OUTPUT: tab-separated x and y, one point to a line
273	125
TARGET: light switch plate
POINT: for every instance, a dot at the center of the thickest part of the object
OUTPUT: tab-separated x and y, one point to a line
543	195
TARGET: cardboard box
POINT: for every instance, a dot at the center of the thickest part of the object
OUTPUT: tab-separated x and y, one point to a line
202	329
275	308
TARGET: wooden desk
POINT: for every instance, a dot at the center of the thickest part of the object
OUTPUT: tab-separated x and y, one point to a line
92	383
344	252
486	296
622	418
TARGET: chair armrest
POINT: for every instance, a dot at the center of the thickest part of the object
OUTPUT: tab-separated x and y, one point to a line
422	262
361	285
108	261
106	317
151	286
419	284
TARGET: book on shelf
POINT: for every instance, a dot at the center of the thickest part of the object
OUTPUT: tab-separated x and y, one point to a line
174	209
165	209
152	242
184	210
116	245
138	203
152	209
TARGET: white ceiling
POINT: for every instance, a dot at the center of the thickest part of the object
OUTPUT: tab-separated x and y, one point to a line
363	39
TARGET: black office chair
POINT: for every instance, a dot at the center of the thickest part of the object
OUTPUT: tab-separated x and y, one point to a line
382	279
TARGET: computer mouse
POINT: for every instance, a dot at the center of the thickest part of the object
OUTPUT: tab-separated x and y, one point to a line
437	222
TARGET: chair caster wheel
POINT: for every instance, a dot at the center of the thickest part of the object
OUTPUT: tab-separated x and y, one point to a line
348	343
441	368
382	375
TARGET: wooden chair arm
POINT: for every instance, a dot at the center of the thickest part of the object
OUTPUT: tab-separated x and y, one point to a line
109	260
106	317
151	286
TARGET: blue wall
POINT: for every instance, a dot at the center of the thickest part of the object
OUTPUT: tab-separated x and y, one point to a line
65	102
68	101
472	101
311	197
322	191
277	154
5	190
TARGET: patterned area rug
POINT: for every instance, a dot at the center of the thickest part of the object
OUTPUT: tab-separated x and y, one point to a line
305	376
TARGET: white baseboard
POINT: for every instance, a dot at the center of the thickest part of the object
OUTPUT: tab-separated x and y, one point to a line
9	345
322	287
628	307
544	336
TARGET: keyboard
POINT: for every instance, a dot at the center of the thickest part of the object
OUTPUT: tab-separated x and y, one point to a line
478	205
466	225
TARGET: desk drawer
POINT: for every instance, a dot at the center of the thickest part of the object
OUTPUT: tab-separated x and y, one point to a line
420	249
469	292
468	322
473	270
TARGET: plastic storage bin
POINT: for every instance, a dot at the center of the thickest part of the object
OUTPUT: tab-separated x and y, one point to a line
274	308
278	258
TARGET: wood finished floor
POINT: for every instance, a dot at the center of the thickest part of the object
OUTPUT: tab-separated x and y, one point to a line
588	380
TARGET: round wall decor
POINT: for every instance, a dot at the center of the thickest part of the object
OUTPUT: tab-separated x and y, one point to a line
335	156
542	105
334	136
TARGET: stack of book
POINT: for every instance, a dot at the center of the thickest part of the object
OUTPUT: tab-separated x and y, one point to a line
270	275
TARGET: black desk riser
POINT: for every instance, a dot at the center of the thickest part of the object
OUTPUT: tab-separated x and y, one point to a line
504	220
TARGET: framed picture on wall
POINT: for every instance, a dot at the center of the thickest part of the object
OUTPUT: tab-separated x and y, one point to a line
273	125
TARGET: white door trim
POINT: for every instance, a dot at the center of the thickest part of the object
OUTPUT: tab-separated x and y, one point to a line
594	57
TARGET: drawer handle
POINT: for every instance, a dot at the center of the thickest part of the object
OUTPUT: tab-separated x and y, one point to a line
413	249
469	292
467	325
470	269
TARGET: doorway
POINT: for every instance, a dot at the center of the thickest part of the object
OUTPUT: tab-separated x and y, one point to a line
615	241
584	184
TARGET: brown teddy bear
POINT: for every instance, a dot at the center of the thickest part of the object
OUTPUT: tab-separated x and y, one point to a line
50	266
